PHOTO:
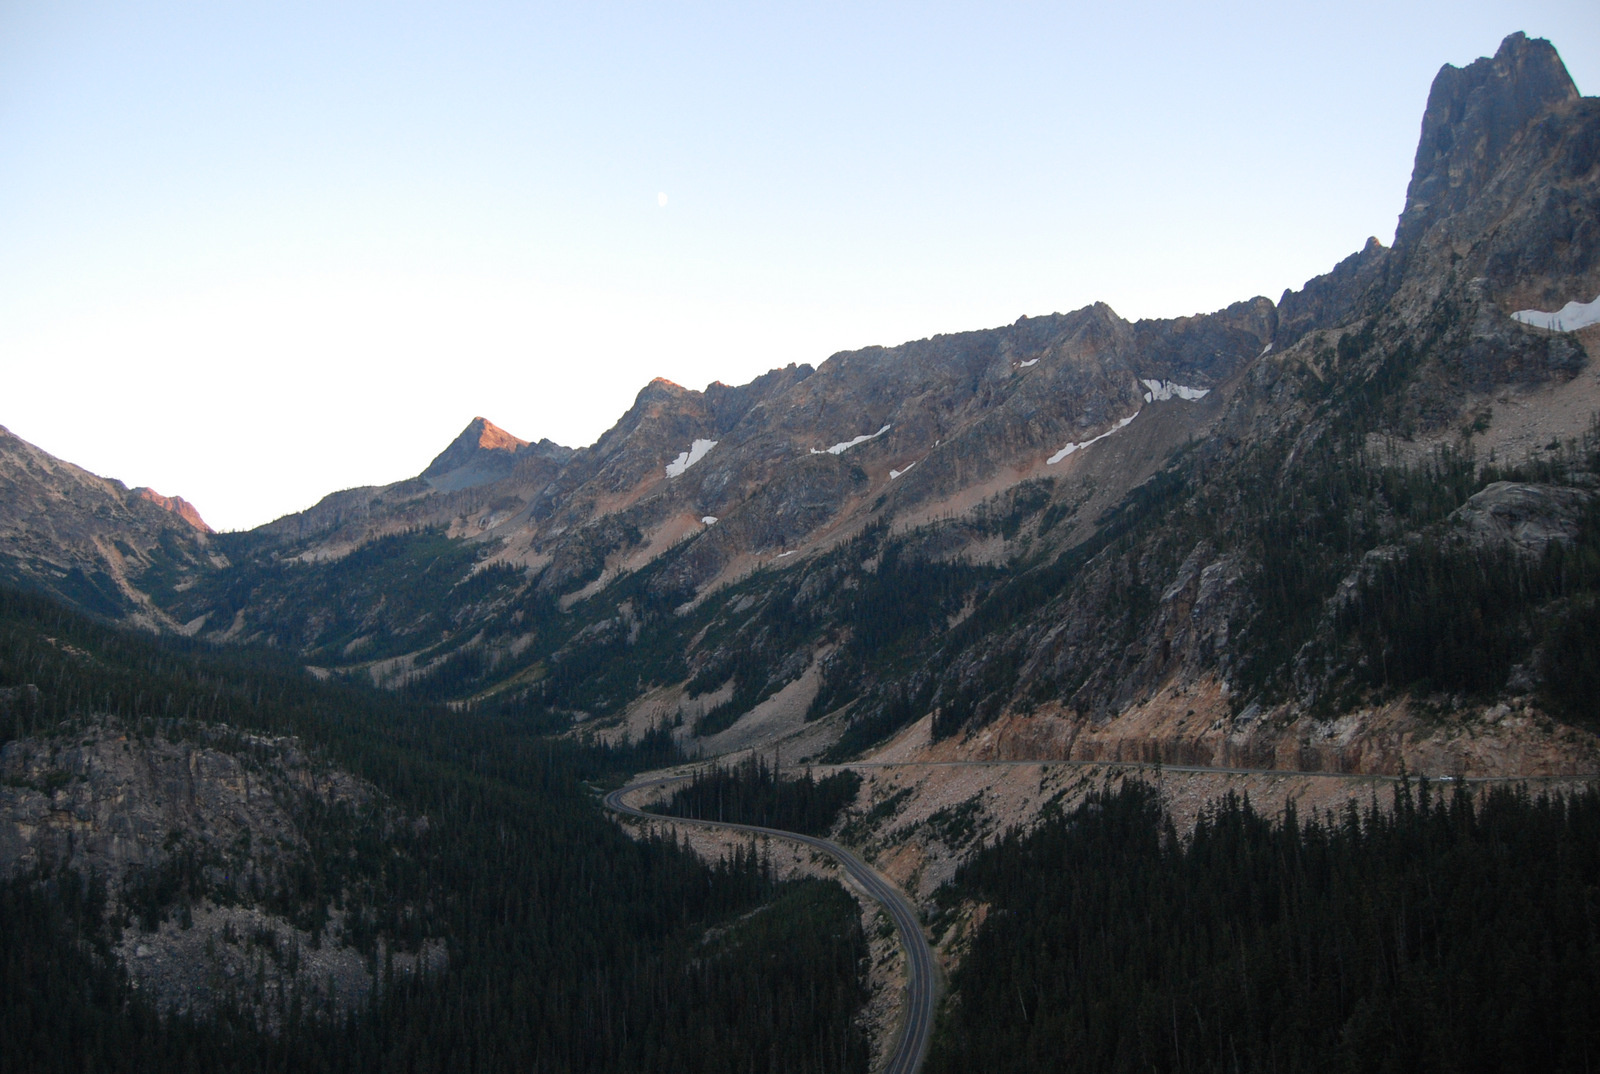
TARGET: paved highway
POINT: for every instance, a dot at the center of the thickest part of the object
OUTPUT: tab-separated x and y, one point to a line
917	1017
917	1021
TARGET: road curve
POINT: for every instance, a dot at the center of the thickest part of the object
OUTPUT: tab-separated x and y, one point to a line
916	1026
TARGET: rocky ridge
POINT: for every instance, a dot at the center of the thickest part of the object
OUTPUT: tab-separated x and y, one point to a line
1062	519
95	543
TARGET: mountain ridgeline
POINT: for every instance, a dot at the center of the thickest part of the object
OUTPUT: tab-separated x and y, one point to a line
1206	539
327	794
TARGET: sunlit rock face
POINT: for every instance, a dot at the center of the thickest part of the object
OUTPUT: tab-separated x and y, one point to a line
177	505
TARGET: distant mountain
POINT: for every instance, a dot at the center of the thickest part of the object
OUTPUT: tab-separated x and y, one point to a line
1073	535
94	543
481	443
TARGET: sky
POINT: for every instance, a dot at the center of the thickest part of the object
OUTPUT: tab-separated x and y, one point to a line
253	253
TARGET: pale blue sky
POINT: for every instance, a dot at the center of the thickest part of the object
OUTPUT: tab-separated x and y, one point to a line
253	253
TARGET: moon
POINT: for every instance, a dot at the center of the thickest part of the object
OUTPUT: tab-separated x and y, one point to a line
661	199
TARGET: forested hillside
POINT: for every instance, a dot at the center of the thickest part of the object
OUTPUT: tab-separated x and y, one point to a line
571	947
1452	932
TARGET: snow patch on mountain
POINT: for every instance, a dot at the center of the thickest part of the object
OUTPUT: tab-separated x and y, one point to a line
1163	390
896	473
686	459
1070	448
1569	318
842	447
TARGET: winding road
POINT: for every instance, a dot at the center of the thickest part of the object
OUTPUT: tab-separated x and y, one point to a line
921	988
916	1024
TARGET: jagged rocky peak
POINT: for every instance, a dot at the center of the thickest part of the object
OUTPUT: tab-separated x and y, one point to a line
1473	114
1502	188
662	411
177	505
662	387
1211	345
665	413
481	435
731	404
1334	297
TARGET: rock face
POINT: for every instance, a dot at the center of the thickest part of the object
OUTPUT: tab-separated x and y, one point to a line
177	505
1472	117
1529	518
106	803
195	839
1359	283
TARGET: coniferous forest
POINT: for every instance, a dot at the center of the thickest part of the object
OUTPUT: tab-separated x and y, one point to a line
1453	931
752	793
1446	933
571	946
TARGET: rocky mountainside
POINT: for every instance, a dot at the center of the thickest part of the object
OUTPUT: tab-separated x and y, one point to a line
201	836
93	542
1227	537
310	875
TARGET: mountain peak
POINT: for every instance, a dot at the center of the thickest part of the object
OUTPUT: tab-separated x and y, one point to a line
662	388
481	435
1473	113
490	437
